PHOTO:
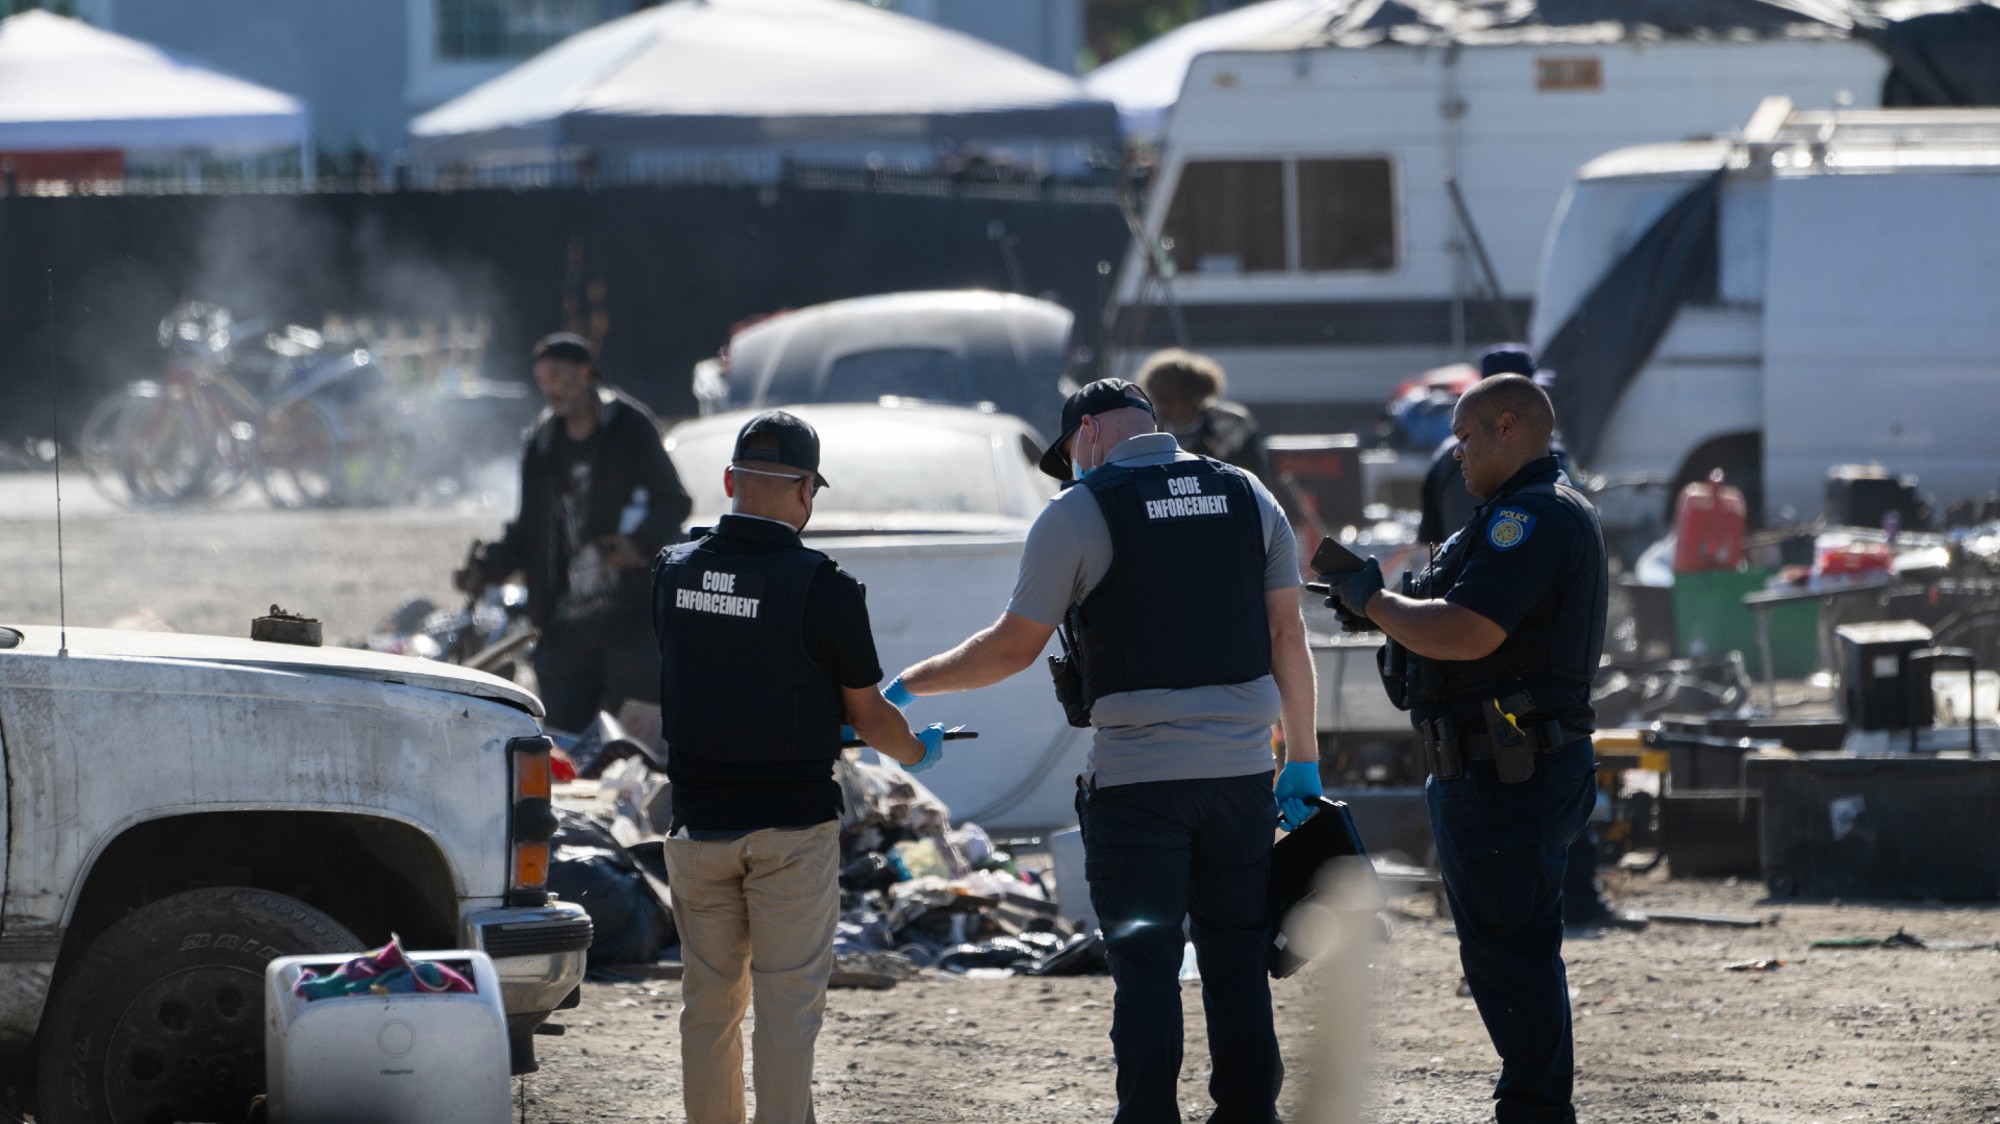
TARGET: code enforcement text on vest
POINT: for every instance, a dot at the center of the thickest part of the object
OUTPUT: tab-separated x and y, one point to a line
1186	500
716	596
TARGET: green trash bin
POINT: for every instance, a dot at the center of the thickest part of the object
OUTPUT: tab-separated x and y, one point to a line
1710	619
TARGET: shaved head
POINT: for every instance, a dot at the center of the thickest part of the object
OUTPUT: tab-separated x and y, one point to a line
1528	402
1502	424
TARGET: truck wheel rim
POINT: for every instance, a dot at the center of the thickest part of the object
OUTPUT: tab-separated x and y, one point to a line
190	1046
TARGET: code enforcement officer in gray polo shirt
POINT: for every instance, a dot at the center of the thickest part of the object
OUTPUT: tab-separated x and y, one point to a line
1177	576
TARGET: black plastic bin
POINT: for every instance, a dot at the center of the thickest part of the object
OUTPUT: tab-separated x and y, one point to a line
1710	833
1880	827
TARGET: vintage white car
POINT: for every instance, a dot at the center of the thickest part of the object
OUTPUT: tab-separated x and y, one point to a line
182	809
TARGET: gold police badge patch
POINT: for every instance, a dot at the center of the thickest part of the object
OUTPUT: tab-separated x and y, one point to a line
1509	528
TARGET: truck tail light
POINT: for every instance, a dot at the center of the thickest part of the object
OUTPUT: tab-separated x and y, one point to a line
531	821
531	869
534	775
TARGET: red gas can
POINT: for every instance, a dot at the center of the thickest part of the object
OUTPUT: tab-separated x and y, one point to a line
1708	526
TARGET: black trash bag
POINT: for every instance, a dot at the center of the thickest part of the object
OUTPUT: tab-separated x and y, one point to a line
995	952
630	924
1082	955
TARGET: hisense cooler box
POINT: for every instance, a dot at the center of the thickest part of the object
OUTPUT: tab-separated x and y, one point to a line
386	1059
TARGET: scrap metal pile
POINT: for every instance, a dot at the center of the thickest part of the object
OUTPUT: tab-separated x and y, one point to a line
916	892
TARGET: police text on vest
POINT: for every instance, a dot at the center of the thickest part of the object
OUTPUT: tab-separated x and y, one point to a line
717	595
1186	499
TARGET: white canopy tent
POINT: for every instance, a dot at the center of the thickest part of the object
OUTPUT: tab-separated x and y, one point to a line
66	86
1145	83
737	82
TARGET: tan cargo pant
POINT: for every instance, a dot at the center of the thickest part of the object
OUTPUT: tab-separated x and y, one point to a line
756	918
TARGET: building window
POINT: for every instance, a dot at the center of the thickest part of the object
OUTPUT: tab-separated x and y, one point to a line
1347	216
1287	215
479	30
1228	216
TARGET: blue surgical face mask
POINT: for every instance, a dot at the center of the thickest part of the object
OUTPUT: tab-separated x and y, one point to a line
1076	470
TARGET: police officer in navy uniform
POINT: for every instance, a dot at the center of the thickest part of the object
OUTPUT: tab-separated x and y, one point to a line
765	651
1493	651
1178	577
1447	506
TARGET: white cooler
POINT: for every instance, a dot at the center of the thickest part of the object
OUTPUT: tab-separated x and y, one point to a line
386	1059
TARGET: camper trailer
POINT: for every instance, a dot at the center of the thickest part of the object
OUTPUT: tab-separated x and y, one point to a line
1825	286
1363	197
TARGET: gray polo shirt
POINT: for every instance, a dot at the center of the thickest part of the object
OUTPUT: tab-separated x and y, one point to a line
1159	734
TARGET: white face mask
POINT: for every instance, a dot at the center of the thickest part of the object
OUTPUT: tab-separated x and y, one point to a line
1077	471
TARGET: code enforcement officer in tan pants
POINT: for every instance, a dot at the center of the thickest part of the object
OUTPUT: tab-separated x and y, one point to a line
765	651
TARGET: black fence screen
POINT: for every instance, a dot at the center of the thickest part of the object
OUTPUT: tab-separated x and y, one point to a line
659	274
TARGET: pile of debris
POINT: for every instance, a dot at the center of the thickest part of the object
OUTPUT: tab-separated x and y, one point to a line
937	896
916	891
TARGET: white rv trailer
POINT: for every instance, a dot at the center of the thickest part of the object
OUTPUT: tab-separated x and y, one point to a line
1315	247
1856	315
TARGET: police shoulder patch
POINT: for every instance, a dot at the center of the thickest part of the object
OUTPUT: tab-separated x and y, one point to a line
1509	528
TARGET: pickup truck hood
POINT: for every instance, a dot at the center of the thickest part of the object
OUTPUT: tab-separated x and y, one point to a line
348	663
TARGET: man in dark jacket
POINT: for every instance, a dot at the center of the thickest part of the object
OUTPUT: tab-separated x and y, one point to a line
599	498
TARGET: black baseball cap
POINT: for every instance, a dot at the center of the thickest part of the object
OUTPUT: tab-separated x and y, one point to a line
1100	397
798	443
1507	359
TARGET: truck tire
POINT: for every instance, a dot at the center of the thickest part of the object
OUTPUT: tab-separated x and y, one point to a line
162	1017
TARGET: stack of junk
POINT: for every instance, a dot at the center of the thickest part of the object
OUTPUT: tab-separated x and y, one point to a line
1813	705
917	892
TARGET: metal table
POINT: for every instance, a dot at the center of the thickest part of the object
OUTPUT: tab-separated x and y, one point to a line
1763	602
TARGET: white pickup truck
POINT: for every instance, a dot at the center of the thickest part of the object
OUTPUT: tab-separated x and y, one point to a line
181	809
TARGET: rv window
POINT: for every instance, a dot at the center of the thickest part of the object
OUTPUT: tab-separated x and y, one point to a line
1347	216
904	372
1228	216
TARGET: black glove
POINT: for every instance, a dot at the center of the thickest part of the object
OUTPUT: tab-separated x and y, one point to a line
1352	591
1348	621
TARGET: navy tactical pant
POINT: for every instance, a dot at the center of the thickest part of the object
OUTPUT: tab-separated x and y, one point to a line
1157	853
584	667
1503	850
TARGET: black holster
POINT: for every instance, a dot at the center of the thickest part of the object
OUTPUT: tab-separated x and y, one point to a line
1441	746
1513	751
1067	671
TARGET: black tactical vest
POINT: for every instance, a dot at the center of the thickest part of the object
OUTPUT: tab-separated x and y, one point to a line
1183	602
1552	653
736	683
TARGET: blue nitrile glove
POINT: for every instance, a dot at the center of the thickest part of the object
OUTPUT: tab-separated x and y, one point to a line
898	695
1353	590
1298	786
933	738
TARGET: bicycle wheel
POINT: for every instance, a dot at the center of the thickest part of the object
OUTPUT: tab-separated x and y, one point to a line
1977	629
229	439
166	456
379	468
101	441
296	457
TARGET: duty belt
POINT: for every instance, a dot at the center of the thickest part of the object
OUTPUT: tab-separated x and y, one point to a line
1449	749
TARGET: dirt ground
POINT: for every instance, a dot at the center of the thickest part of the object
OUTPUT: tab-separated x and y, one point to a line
1664	1032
